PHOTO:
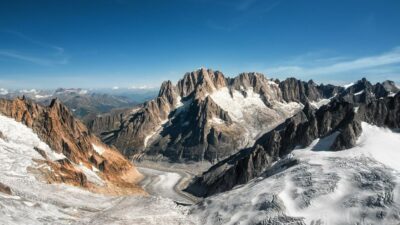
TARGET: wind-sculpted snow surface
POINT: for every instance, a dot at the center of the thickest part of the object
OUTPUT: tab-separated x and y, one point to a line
30	200
355	186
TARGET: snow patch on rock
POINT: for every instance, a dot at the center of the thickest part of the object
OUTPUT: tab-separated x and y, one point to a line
99	149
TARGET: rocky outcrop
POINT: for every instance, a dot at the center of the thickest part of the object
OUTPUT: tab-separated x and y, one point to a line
299	91
191	135
56	126
201	81
298	131
363	92
5	189
305	92
382	111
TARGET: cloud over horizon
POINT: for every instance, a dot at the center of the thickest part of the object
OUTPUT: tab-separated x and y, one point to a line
387	63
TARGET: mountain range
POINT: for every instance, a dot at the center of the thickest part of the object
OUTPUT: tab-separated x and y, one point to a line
209	117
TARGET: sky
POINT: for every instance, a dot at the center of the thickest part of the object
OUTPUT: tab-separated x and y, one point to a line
122	43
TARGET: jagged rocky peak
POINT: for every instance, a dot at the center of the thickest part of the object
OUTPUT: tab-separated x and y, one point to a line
385	88
363	92
246	80
201	80
359	86
382	112
390	86
299	91
167	90
78	150
257	83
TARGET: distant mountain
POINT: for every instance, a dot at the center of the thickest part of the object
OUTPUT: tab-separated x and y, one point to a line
85	104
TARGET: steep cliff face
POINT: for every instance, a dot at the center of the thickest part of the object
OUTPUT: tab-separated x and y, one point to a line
382	111
195	133
68	137
305	92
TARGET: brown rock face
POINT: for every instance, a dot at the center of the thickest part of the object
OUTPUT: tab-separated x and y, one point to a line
200	81
56	126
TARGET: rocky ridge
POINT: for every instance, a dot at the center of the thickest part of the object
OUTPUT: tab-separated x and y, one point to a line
56	126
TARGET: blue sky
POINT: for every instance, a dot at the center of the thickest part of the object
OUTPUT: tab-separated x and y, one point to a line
107	43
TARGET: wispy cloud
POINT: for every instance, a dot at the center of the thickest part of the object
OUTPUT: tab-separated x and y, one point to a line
57	49
55	54
32	59
244	4
340	65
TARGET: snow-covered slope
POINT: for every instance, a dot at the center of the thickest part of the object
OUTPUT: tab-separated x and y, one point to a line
355	186
251	114
33	201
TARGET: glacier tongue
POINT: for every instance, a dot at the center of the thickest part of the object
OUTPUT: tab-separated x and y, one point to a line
355	186
35	202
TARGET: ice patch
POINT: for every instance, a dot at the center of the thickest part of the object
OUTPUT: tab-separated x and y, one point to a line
237	104
359	93
42	96
217	121
152	134
320	103
91	175
99	149
249	112
348	85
